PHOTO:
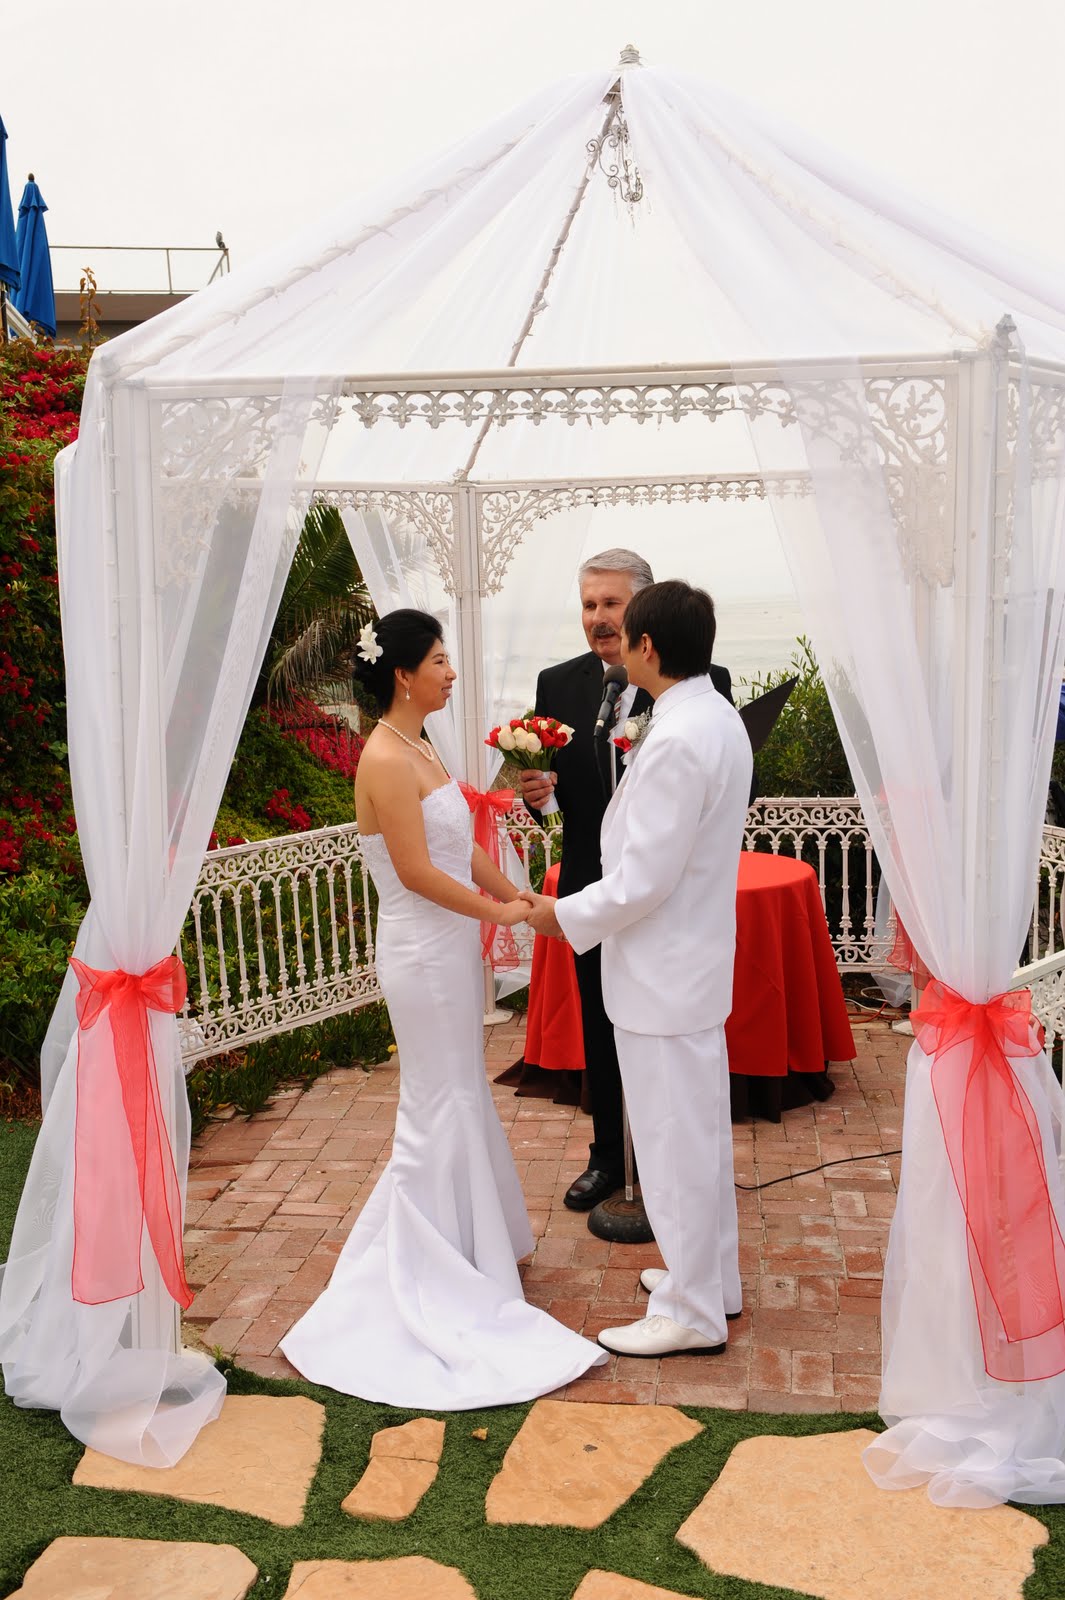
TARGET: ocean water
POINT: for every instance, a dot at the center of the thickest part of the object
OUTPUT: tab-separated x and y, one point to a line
757	636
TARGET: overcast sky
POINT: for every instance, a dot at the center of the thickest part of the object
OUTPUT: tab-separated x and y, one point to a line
158	124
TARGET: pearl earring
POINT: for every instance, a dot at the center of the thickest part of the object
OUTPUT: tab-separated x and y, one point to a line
408	694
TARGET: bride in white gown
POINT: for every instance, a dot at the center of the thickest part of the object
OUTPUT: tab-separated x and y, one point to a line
425	1307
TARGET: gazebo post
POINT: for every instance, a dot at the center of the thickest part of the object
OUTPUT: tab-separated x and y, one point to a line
467	570
155	1318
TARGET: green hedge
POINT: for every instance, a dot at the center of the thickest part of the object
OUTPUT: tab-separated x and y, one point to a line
803	755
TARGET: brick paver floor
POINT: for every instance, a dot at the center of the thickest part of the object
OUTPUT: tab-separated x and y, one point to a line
272	1198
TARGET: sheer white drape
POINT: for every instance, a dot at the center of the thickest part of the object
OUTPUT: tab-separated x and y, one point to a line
399	571
517	623
938	624
165	624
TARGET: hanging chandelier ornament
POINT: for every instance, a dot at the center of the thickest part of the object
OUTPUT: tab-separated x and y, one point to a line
620	172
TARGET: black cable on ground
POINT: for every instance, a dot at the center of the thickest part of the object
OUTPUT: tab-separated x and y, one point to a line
874	1155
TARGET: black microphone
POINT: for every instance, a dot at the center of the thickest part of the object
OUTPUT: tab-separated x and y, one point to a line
615	682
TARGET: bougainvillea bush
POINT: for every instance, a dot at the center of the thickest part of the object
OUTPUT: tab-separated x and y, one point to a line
42	886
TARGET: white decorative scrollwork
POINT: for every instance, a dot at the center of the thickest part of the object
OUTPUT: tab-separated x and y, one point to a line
907	413
1048	1002
428	512
508	514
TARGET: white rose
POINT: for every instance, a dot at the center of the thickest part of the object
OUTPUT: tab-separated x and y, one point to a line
632	729
506	739
521	739
565	728
532	743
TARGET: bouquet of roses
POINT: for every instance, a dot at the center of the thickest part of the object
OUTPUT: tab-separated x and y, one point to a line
531	741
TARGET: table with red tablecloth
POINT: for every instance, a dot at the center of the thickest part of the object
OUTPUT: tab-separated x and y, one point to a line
551	1066
789	1017
553	1038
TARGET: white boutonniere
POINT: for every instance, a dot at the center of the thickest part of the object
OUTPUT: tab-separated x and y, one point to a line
633	734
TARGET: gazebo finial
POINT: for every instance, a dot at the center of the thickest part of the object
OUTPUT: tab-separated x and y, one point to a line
630	57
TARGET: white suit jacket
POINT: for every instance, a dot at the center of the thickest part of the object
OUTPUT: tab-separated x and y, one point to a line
665	908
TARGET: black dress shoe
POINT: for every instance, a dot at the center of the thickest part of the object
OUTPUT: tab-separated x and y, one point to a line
591	1187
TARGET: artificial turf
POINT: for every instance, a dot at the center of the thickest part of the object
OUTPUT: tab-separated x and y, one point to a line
38	1457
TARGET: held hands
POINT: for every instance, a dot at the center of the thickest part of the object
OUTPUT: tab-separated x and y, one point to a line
540	914
536	786
510	913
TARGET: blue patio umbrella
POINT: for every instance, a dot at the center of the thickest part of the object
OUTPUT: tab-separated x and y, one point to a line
35	297
9	273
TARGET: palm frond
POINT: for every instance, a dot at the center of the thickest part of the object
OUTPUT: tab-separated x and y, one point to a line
320	653
323	571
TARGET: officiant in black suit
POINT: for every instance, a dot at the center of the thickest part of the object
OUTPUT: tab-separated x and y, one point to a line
572	692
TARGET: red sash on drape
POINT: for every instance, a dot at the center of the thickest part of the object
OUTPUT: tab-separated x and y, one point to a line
1016	1251
124	1176
497	944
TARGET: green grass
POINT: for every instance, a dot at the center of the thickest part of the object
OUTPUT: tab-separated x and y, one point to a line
38	1456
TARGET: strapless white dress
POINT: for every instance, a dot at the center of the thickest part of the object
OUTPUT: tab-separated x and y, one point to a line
425	1307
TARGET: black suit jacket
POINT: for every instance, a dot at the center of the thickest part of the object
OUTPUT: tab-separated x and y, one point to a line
573	692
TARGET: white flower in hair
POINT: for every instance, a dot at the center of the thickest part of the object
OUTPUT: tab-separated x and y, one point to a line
368	647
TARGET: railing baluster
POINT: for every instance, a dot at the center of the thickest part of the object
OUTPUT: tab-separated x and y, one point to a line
319	964
331	880
197	923
223	976
238	913
264	976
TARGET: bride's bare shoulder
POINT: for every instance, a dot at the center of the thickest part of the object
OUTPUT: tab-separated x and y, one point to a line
384	769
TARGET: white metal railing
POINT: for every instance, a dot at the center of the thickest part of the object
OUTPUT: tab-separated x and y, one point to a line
17	325
1043	962
280	933
181	265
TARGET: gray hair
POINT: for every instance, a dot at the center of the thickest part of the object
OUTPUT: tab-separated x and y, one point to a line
619	561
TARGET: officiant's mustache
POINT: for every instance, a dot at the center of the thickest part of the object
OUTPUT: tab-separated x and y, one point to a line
604	630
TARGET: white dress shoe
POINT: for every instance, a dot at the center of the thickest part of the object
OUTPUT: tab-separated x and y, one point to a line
657	1336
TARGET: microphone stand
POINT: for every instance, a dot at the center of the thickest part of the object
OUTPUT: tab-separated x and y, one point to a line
621	1220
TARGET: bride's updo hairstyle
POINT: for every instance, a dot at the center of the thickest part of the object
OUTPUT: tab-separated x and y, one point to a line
406	638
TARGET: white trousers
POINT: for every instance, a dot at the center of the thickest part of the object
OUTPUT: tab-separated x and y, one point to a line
677	1095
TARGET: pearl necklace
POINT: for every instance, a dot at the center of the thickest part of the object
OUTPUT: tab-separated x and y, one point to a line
422	748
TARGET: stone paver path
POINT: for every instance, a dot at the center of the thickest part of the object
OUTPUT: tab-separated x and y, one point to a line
827	1530
130	1569
572	1466
402	1467
272	1199
260	1455
407	1578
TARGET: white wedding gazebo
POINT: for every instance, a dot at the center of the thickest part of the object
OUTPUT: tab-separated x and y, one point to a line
630	290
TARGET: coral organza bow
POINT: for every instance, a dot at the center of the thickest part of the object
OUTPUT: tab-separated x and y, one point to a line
1016	1251
124	1177
488	808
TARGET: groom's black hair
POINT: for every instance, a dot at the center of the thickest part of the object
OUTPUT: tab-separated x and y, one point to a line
680	623
406	637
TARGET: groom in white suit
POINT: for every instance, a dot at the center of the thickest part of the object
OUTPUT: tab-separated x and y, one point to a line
664	912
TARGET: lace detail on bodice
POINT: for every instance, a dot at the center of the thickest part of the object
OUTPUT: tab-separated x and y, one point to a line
447	834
